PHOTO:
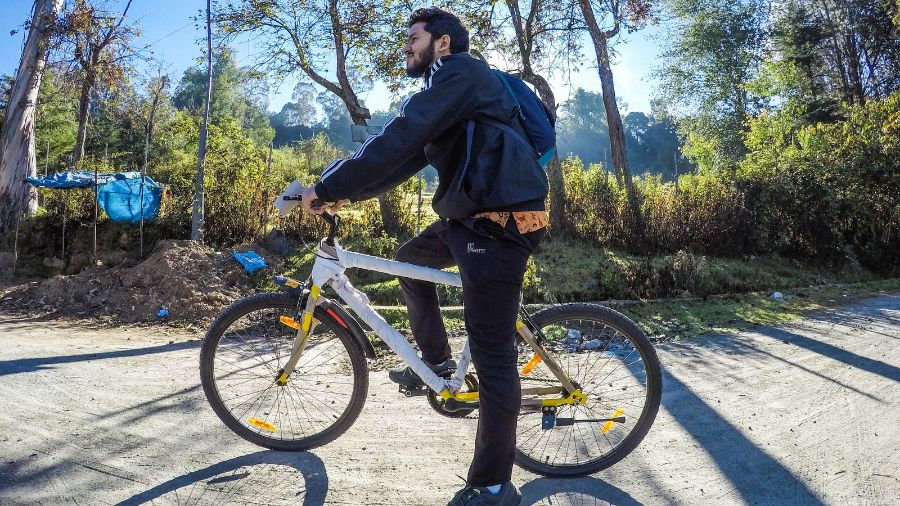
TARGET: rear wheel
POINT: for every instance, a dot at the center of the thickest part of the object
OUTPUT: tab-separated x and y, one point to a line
242	355
613	363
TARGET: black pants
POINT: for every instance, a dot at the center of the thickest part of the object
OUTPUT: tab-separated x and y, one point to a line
492	261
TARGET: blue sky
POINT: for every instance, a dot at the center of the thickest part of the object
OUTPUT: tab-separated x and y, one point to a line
167	26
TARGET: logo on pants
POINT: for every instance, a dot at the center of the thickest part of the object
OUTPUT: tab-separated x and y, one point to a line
470	248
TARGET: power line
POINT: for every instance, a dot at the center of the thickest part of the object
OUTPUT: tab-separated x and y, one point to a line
168	35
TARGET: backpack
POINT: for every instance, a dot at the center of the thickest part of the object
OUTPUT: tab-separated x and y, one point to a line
537	121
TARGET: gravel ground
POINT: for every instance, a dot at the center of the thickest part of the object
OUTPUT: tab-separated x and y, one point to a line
801	414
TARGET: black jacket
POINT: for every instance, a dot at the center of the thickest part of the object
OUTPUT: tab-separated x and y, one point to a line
480	167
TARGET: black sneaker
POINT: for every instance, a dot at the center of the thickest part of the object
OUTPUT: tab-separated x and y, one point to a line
470	496
408	378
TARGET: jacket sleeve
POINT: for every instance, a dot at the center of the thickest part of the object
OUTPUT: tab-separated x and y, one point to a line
388	158
398	176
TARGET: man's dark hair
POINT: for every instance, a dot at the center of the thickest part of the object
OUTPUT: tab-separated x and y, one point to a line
439	22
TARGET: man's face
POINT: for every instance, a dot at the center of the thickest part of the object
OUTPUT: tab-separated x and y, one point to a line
419	50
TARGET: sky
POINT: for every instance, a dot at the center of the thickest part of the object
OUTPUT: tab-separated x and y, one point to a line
174	38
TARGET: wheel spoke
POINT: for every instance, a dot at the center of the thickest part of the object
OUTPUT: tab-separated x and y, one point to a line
325	391
607	359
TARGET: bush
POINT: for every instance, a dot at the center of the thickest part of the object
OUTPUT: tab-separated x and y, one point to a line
827	191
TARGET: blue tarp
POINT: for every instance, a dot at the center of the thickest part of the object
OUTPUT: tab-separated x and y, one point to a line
121	199
79	179
250	260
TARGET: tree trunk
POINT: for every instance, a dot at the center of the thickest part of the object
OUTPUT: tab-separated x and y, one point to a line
559	218
559	224
83	111
17	159
853	68
614	120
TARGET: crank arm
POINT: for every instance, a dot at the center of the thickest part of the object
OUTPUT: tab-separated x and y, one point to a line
572	421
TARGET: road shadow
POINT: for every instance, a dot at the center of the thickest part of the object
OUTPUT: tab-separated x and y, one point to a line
878	367
36	364
266	477
585	491
756	475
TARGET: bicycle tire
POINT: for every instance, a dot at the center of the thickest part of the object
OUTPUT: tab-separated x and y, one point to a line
619	338
331	355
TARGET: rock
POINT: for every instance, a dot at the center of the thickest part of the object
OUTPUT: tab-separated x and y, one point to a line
777	296
278	242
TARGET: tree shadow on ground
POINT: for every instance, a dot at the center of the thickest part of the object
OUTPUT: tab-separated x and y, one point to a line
878	367
757	476
266	477
35	364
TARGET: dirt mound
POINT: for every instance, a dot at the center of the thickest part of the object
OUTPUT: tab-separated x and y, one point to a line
190	280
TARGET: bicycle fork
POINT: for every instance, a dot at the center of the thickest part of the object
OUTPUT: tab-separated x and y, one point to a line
304	328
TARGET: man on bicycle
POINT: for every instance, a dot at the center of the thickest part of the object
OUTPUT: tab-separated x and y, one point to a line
490	199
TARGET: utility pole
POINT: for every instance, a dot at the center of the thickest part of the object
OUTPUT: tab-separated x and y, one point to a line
197	217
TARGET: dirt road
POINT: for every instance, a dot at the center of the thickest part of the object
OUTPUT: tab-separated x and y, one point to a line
801	414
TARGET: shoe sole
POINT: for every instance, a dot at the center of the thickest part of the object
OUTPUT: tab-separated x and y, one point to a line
418	383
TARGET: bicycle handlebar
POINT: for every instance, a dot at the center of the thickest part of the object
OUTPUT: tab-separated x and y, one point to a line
332	219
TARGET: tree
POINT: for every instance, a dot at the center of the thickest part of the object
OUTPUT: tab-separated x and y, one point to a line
582	130
338	35
714	50
238	93
6	85
845	51
652	142
17	158
544	32
100	45
632	14
56	122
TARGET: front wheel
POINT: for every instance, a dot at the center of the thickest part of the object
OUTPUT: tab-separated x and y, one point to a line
242	355
612	362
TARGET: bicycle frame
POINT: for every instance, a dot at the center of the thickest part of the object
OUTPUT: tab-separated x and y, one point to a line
328	269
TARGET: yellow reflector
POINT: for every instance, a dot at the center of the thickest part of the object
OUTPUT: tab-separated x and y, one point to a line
256	422
609	425
535	360
290	322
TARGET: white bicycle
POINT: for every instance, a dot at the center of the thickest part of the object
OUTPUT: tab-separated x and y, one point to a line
287	370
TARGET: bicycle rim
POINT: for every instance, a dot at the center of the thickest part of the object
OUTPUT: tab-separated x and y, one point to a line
322	397
614	365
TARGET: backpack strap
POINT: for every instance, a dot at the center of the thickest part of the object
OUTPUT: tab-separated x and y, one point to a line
546	157
512	131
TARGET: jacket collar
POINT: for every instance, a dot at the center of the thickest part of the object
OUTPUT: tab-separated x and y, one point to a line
439	62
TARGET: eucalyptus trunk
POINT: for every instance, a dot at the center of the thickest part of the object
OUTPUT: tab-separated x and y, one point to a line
17	158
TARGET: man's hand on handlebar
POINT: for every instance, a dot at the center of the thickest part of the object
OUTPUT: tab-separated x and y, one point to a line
312	205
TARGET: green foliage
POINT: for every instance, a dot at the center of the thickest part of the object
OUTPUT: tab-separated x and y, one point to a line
820	189
237	93
696	215
55	121
714	49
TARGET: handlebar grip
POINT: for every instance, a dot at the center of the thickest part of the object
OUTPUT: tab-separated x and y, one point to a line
315	203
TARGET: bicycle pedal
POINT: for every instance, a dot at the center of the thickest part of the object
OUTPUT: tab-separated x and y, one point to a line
413	391
548	420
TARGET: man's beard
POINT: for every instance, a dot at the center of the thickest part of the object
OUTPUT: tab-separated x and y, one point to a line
418	67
